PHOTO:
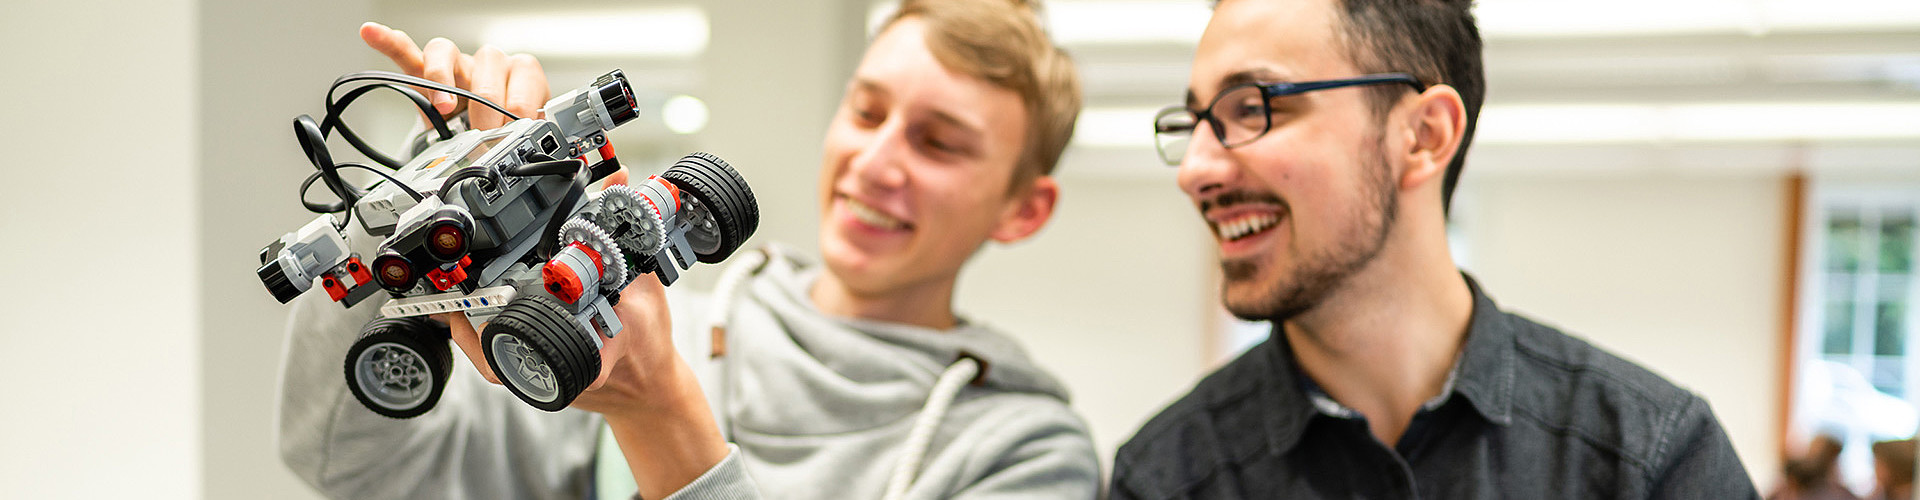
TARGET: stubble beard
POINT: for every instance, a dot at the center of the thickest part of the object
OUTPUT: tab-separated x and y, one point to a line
1317	274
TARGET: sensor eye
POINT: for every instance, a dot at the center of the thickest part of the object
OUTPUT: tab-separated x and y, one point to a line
446	241
394	272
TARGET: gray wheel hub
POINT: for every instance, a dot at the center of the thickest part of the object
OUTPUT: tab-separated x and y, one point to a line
524	369
393	375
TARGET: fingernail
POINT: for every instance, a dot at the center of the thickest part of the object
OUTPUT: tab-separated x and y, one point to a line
442	102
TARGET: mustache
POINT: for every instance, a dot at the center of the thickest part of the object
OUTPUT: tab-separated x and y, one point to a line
1240	197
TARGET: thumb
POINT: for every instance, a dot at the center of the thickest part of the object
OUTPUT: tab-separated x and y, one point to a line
617	178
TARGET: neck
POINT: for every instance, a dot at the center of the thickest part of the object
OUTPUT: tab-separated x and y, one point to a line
1384	342
928	305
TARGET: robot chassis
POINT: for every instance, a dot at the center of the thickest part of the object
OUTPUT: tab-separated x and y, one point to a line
496	224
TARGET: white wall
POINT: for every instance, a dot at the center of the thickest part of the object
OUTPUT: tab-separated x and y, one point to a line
1112	296
262	62
97	248
1681	273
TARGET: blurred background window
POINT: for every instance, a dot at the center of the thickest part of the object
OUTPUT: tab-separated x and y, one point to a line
1860	380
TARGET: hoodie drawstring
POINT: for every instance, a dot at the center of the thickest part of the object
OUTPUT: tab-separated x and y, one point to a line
957	376
727	290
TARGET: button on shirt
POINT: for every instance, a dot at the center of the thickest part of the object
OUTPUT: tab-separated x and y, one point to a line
1527	413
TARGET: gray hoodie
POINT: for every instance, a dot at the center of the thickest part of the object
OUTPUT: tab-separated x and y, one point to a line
815	406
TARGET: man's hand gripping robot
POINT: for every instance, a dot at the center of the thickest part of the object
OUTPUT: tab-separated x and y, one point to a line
496	224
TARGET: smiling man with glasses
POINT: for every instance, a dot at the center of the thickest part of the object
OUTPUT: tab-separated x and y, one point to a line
1338	132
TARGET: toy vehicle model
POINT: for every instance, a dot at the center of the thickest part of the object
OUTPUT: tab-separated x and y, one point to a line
497	224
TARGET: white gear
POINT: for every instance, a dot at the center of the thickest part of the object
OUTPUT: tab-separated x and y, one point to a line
614	266
635	222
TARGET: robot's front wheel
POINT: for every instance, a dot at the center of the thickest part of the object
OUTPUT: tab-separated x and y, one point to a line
399	366
723	207
540	353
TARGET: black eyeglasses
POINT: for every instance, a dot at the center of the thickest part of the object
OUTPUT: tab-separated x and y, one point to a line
1248	114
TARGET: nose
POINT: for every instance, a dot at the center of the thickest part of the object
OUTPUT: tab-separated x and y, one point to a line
1207	167
879	163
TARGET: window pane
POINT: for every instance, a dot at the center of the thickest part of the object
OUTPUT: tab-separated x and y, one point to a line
1843	242
1839	334
1889	374
1890	330
1896	243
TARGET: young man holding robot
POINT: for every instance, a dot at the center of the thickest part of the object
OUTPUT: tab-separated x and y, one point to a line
1320	140
836	379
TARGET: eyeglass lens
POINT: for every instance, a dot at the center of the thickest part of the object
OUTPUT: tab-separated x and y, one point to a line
1236	117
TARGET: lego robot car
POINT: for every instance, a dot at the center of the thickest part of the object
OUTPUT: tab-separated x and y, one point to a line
496	224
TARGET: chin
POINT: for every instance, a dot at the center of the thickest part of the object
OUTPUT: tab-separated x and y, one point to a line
1247	304
1251	291
847	260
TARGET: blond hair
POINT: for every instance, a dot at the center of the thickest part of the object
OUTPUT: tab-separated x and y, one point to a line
1002	42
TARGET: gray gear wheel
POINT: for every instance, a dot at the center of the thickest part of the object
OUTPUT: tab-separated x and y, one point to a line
614	275
633	222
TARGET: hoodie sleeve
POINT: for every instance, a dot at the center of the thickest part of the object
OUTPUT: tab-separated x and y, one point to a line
478	442
727	480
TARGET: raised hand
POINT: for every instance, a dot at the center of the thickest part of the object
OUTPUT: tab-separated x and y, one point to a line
516	82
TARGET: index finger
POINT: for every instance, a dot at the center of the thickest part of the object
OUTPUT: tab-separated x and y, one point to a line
394	44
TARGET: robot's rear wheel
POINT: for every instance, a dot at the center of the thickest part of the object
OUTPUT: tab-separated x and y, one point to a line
724	211
540	353
399	366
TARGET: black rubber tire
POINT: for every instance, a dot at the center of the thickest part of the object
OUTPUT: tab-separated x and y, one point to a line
545	327
718	186
419	341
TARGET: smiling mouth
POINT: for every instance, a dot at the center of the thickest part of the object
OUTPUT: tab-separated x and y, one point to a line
873	217
1245	226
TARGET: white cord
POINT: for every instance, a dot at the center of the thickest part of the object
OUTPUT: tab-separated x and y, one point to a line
944	391
732	282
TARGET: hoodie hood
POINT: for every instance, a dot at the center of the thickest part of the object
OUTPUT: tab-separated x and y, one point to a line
854	374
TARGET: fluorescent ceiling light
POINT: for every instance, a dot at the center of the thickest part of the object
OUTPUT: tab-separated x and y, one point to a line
1097	22
1699	122
684	114
1115	127
675	32
1537	18
1567	123
1560	18
1115	22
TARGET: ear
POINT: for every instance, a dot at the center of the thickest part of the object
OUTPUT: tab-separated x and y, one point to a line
1027	210
1438	124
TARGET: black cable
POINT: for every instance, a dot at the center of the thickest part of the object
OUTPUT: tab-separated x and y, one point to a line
335	120
313	136
540	164
484	174
314	142
388	76
345	205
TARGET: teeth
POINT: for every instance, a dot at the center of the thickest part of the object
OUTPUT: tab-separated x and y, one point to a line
873	217
1244	226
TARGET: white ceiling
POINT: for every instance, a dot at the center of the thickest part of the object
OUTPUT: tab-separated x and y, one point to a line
1618	56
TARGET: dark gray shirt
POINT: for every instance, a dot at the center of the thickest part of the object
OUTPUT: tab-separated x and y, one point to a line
1530	413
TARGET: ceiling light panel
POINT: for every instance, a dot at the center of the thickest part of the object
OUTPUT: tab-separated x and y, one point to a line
664	32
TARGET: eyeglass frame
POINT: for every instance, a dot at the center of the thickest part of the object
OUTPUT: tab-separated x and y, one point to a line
1268	92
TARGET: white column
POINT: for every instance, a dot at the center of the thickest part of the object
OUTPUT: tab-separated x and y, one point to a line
773	74
97	248
262	62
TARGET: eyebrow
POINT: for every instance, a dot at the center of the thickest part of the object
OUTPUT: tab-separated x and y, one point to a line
863	84
956	121
1238	78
